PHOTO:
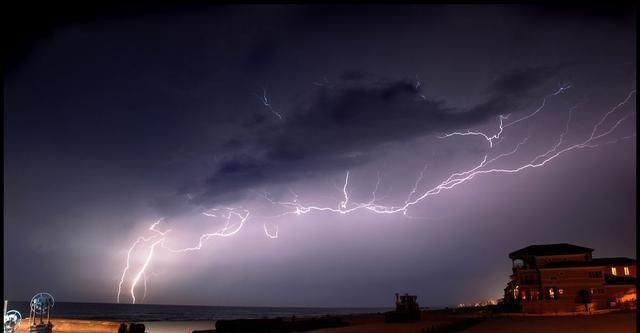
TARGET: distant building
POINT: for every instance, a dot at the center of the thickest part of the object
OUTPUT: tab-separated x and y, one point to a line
566	278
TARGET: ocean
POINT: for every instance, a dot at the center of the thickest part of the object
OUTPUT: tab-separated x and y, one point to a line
149	312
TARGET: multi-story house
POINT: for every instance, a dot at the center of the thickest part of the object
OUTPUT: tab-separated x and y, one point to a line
566	278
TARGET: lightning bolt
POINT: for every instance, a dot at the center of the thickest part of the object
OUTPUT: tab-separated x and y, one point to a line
264	99
128	263
458	178
490	138
236	218
269	234
227	230
144	267
160	236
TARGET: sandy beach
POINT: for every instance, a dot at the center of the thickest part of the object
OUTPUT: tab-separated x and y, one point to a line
619	322
94	326
75	325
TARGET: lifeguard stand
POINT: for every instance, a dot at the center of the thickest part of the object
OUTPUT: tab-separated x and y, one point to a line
407	310
12	320
41	305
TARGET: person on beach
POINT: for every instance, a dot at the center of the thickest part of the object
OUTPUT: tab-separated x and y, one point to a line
122	328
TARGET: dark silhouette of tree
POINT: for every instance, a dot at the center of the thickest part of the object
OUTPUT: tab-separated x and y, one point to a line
584	297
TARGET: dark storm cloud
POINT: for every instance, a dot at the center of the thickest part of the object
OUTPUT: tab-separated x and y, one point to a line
31	24
524	80
262	56
619	15
340	126
117	117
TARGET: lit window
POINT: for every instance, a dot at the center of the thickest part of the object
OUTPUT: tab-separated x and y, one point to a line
626	271
560	291
613	271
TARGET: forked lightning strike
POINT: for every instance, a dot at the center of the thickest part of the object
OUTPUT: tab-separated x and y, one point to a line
502	126
235	218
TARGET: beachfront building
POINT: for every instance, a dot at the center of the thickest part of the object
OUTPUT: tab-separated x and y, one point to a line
555	278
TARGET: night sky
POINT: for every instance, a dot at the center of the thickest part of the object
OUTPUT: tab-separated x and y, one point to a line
116	121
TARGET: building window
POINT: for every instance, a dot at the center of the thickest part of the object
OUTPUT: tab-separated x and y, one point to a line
596	274
535	294
613	271
626	270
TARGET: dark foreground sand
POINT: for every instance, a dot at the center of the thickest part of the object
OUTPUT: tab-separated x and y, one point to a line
612	322
374	323
619	322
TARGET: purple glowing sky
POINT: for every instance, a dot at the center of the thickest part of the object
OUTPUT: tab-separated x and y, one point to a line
113	123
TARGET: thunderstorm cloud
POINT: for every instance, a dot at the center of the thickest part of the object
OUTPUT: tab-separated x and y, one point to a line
119	116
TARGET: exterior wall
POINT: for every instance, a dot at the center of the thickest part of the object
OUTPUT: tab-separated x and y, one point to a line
541	289
543	260
566	284
549	306
620	270
528	283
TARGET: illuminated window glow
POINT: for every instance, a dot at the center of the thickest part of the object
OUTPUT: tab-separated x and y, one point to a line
626	271
613	271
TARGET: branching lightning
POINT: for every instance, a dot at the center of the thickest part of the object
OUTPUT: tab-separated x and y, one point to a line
236	218
490	138
264	99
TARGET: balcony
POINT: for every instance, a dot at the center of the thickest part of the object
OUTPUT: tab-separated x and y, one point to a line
617	280
529	282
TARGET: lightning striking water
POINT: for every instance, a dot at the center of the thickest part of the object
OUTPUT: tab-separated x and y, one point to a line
235	218
142	269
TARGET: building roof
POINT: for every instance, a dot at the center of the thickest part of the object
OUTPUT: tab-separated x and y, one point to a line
592	263
550	250
615	261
